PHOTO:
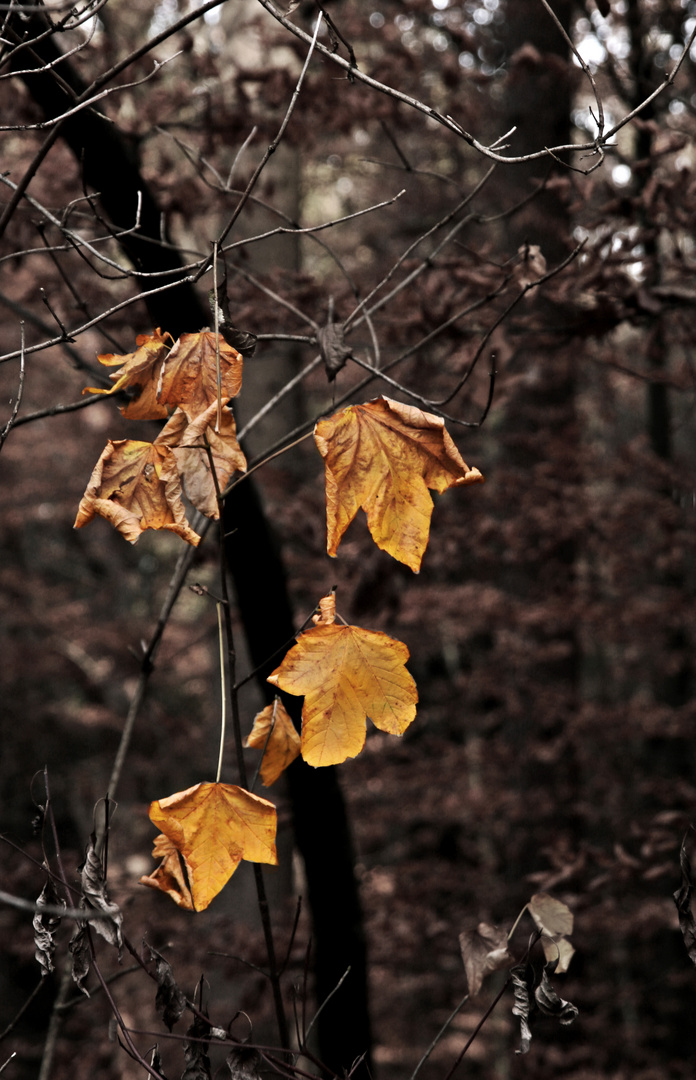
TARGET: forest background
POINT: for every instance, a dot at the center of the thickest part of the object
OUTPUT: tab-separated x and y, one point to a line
551	627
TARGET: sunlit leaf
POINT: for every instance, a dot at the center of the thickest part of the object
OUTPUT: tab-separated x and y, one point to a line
213	827
346	674
136	486
275	734
383	456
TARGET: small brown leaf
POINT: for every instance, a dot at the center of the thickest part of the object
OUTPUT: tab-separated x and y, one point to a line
170	877
484	950
275	734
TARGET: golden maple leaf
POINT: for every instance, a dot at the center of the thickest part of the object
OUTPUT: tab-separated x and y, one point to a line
346	675
139	372
274	733
213	827
189	376
136	486
187	441
383	456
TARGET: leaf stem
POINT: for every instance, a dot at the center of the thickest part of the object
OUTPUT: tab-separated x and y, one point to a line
223	720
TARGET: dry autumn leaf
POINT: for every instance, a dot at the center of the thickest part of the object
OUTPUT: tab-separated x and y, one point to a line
171	875
136	486
213	827
189	376
484	950
139	372
187	441
383	456
346	675
274	733
555	920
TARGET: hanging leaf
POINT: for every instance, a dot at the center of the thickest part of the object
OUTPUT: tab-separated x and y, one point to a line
213	827
135	486
169	1001
333	349
139	373
346	675
45	927
383	456
484	950
79	949
275	734
187	442
555	920
94	896
241	340
171	876
244	1063
523	987
196	1051
189	376
682	899
548	1000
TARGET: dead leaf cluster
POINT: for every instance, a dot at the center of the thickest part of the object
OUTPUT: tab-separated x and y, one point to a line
140	485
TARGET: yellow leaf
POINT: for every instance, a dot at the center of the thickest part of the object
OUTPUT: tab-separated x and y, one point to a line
139	372
169	877
136	486
346	674
213	827
189	376
187	441
383	456
274	733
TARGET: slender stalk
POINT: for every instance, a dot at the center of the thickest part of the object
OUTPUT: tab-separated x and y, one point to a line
223	705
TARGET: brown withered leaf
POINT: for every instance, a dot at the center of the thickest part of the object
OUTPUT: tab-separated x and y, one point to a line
135	486
682	899
383	456
548	1000
275	734
171	876
94	896
45	926
187	441
213	827
484	950
189	376
139	372
170	1002
346	675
